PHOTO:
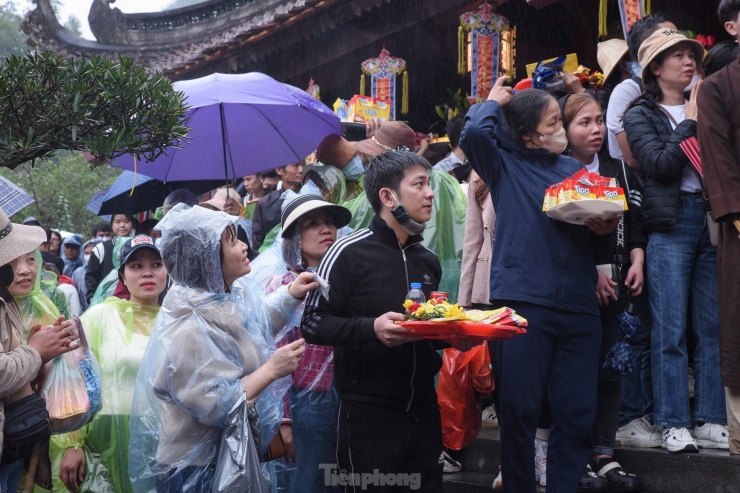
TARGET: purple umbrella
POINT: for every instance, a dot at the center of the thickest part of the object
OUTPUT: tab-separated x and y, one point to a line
241	124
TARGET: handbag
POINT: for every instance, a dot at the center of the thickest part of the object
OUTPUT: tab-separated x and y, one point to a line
26	423
277	447
238	465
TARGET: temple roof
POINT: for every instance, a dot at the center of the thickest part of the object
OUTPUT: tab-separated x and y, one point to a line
171	41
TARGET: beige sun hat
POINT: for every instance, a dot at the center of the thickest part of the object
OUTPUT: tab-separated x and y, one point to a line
17	239
609	53
219	198
661	40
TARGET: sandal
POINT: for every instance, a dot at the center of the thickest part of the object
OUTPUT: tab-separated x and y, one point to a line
618	479
591	482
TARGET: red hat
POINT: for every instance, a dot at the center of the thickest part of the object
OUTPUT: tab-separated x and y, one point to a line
523	84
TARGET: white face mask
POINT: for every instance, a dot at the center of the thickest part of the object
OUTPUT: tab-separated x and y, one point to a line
87	258
555	143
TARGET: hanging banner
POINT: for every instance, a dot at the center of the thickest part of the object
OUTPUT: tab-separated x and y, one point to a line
631	11
485	30
384	71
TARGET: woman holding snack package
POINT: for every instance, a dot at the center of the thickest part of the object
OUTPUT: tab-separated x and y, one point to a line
95	458
619	258
681	261
309	228
543	269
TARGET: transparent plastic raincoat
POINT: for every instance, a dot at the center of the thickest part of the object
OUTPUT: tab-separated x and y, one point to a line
36	307
49	282
118	332
205	341
444	233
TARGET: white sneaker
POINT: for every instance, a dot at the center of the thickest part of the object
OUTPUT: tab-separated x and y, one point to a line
638	433
498	483
540	461
489	415
712	435
450	464
677	440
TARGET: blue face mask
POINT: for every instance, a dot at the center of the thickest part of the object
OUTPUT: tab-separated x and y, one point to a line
635	69
354	169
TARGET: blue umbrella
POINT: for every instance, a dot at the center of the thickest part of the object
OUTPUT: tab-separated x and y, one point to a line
621	358
12	197
241	124
148	194
96	202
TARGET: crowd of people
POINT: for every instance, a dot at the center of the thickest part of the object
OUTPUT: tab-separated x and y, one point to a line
280	300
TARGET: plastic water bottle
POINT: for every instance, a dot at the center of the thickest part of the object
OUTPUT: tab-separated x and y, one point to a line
415	293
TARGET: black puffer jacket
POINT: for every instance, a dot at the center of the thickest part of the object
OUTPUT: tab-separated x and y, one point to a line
655	145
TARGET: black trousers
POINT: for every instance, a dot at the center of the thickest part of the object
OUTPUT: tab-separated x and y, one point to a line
558	357
384	450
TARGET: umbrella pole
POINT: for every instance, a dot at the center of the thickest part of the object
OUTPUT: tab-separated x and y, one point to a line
224	141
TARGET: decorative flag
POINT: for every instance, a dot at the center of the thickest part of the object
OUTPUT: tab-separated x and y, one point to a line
485	30
630	11
384	71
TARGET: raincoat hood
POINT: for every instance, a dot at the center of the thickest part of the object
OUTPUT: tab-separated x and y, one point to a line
36	307
191	246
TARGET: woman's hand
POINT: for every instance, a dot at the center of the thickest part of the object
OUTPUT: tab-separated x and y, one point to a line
499	92
371	127
72	468
285	360
605	289
303	284
602	227
691	110
53	340
635	279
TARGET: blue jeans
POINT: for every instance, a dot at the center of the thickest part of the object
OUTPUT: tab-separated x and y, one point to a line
315	416
682	267
10	474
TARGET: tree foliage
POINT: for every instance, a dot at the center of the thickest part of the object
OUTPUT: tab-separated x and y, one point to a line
108	108
62	186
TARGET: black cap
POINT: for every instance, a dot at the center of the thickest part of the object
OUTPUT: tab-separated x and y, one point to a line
136	243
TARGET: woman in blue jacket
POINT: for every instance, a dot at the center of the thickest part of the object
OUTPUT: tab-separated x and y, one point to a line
544	269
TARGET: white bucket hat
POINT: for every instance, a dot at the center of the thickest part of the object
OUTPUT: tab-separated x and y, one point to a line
17	239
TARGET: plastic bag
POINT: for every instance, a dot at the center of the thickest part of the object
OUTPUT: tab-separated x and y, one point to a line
238	466
72	388
464	377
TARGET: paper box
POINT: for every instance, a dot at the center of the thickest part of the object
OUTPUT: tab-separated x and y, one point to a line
364	108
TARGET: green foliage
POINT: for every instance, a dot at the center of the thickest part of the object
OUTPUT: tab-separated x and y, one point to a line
108	108
62	186
458	104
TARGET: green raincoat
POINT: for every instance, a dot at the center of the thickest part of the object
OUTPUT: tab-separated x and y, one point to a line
118	332
36	307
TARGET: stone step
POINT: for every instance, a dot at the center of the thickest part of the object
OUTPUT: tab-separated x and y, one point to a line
710	471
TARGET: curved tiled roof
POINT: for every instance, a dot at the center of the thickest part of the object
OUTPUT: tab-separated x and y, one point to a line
171	41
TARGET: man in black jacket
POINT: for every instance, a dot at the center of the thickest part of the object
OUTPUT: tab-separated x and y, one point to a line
389	432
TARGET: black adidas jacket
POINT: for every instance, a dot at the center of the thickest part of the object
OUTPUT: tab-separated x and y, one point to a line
369	275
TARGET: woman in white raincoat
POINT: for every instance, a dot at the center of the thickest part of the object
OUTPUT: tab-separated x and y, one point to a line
210	345
95	458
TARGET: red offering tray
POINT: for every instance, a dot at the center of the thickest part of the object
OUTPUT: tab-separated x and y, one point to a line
461	330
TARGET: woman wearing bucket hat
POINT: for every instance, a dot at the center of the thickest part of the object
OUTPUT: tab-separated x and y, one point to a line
309	228
21	358
681	261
